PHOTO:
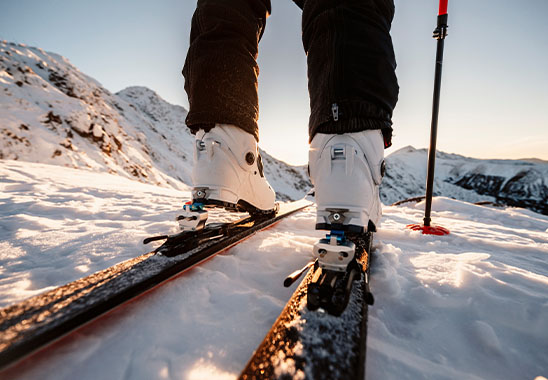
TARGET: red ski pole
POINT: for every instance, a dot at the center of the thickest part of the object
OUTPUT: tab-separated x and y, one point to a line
439	34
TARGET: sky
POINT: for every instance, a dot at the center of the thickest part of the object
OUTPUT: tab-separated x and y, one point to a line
494	98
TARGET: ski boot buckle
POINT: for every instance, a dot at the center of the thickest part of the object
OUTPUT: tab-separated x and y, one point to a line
193	217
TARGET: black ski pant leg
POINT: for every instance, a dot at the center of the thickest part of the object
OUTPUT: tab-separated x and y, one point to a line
351	65
221	68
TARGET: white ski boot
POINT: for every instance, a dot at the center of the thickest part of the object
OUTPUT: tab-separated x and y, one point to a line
346	171
228	171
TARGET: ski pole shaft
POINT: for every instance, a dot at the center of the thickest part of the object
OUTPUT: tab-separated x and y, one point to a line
439	33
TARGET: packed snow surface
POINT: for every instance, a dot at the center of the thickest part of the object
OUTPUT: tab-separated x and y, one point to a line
472	305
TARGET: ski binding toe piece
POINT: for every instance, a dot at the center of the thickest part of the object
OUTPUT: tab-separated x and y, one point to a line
334	252
331	282
193	217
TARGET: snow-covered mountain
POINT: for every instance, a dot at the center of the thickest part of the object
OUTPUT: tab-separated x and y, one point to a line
53	113
521	183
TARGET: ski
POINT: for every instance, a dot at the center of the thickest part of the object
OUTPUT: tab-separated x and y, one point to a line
312	342
35	322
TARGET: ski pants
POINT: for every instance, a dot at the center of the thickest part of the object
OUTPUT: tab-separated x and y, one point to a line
351	64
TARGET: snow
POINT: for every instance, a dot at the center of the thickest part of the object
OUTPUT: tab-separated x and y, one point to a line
59	224
469	305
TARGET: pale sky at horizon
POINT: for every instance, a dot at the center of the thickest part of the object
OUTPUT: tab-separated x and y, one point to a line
495	81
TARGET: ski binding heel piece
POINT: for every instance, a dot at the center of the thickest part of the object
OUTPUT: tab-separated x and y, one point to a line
334	252
193	217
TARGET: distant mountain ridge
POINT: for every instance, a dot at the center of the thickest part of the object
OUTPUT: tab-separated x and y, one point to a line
52	113
520	183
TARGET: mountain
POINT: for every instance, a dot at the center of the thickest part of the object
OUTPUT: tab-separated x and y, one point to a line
519	183
52	113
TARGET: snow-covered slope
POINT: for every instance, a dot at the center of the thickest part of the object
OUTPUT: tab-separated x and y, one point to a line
522	183
52	113
471	305
290	182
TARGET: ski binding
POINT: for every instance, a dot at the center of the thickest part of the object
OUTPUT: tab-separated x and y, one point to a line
336	270
193	217
334	252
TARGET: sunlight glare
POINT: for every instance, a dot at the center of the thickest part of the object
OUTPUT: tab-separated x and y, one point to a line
446	269
203	371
